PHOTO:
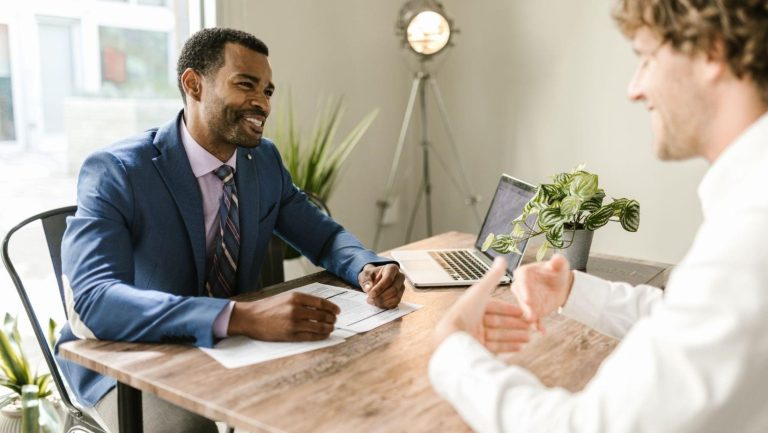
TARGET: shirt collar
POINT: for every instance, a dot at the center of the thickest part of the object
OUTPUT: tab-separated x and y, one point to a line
739	160
201	161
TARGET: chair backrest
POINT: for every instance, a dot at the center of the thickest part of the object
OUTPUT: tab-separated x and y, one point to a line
272	271
54	222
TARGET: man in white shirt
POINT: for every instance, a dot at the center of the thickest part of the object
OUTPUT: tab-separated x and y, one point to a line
695	357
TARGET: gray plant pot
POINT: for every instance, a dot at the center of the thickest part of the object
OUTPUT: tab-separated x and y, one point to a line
578	251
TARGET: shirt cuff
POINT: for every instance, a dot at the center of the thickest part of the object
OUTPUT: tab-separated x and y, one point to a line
221	324
475	381
589	295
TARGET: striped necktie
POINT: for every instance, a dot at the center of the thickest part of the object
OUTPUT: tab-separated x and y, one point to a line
222	269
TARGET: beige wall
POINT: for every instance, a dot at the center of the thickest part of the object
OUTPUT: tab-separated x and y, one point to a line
531	88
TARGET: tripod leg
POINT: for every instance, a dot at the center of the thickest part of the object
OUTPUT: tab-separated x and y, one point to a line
412	218
418	81
473	199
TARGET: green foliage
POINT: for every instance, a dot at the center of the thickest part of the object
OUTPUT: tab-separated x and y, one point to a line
314	164
15	370
574	201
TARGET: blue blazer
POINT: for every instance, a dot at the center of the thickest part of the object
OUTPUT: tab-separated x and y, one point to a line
135	252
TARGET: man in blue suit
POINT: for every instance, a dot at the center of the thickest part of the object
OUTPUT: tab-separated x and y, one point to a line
176	219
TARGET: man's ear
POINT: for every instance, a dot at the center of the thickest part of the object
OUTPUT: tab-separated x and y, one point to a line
192	82
716	63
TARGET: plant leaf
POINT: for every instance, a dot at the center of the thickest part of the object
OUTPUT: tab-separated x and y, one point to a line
52	334
315	164
563	179
570	205
542	251
517	231
594	203
555	236
584	185
42	383
630	217
12	365
503	244
618	206
12	385
488	242
550	193
549	217
599	218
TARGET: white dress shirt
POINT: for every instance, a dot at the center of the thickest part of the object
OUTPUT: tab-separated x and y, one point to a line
691	359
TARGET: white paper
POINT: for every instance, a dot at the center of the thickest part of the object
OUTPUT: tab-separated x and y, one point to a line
235	352
356	316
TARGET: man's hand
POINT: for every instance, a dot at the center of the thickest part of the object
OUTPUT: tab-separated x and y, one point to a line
496	324
384	285
541	288
290	316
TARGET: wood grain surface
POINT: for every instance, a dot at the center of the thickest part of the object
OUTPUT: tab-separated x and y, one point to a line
373	382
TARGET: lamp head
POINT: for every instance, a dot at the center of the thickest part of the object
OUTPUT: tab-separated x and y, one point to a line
424	27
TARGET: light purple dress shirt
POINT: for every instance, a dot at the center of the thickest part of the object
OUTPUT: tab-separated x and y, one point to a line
203	164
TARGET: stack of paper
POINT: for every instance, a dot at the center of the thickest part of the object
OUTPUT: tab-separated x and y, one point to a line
356	316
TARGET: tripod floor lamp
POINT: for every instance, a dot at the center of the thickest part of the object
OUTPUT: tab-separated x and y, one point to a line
426	31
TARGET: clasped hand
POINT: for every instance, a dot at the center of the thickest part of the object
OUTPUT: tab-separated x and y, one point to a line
540	288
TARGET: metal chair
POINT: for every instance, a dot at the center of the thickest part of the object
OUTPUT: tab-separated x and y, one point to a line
53	222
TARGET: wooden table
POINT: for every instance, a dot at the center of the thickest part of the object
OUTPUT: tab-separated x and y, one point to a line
373	382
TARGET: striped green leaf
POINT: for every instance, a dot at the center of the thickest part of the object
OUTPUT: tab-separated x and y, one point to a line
630	217
594	203
570	205
584	185
488	242
599	218
618	206
549	217
563	178
551	192
555	236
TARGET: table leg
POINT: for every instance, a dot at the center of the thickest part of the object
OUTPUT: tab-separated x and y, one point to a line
129	414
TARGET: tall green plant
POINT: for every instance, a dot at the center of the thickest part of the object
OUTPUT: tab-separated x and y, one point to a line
574	201
315	163
15	369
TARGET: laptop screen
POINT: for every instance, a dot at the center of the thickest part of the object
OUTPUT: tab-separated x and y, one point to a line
508	202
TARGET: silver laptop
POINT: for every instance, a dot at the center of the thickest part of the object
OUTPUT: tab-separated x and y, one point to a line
462	267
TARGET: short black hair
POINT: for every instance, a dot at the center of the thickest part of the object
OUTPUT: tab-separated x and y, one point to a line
204	51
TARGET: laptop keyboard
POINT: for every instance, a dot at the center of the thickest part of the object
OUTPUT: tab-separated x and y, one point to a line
461	265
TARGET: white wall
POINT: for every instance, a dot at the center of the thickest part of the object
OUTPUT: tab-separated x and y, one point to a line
531	88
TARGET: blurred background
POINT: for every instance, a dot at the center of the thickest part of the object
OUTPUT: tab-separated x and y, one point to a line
530	89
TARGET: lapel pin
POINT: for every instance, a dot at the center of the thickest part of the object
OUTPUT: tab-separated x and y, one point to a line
248	156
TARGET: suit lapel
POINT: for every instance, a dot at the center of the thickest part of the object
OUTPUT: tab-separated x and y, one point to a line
247	179
173	166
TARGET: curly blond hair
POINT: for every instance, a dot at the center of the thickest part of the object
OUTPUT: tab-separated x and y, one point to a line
695	26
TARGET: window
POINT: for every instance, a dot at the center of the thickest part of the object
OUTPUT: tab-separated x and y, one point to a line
7	127
134	63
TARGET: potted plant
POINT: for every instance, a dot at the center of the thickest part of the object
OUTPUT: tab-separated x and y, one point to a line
16	374
315	162
567	212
